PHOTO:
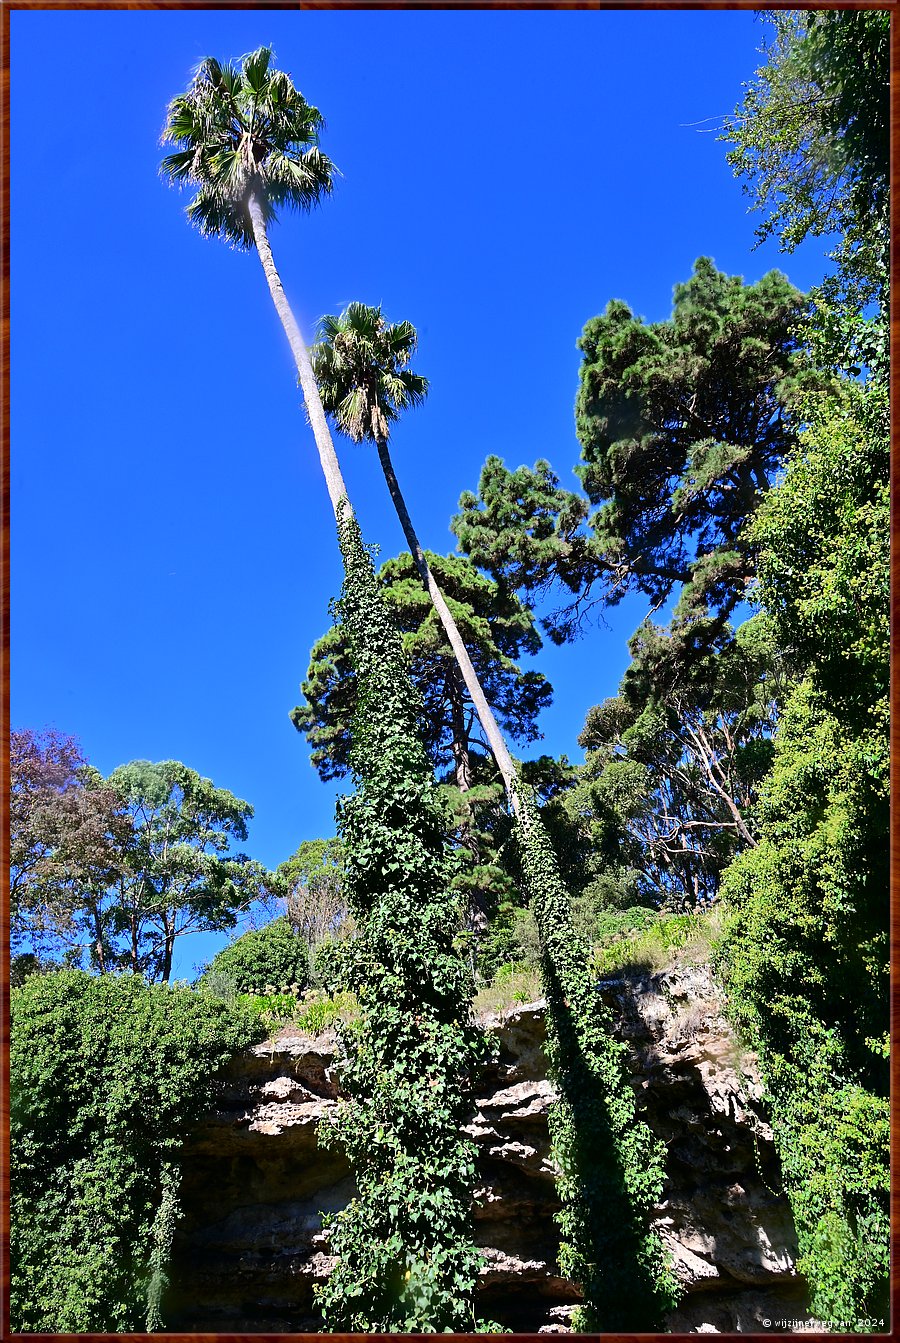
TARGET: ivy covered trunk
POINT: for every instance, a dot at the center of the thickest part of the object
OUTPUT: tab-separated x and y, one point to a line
405	1257
611	1165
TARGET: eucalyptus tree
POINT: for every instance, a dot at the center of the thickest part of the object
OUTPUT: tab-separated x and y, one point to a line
248	140
361	365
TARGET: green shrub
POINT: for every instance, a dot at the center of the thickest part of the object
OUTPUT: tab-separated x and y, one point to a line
515	982
271	1008
273	959
611	925
107	1076
804	956
652	946
497	946
318	1016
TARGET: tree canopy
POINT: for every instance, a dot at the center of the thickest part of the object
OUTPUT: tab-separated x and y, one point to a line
242	129
682	426
668	792
179	875
811	137
68	836
116	869
805	956
360	362
498	630
313	877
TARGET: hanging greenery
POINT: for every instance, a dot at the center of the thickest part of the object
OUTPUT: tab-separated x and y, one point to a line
804	956
611	1165
107	1075
405	1258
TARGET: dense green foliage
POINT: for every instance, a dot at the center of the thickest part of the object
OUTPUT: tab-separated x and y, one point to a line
805	951
805	956
406	1262
179	876
498	630
682	424
265	960
612	1167
668	791
811	138
313	882
107	1075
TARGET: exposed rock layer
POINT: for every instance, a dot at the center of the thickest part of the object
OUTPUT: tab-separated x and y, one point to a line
250	1245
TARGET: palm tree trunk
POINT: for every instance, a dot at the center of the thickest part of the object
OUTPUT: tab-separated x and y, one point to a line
473	685
337	490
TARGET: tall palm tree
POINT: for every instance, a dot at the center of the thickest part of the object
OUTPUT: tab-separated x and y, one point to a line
248	141
360	364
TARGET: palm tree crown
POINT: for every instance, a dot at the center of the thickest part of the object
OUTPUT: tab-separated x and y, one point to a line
360	366
243	131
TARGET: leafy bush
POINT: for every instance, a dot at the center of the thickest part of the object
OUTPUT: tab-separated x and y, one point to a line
525	937
804	957
271	1008
276	1009
318	1016
107	1076
273	959
651	943
606	926
515	982
498	945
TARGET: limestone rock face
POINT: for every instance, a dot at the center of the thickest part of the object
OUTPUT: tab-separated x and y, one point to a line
250	1244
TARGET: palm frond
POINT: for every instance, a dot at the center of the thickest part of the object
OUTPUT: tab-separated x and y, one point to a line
359	362
177	167
239	130
255	69
216	216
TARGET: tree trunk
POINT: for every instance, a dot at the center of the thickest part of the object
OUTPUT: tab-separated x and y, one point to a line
482	708
337	490
98	933
462	764
168	949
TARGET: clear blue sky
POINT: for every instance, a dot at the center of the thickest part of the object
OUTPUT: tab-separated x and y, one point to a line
504	175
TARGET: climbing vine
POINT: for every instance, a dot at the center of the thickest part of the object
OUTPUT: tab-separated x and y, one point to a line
405	1257
611	1164
107	1075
